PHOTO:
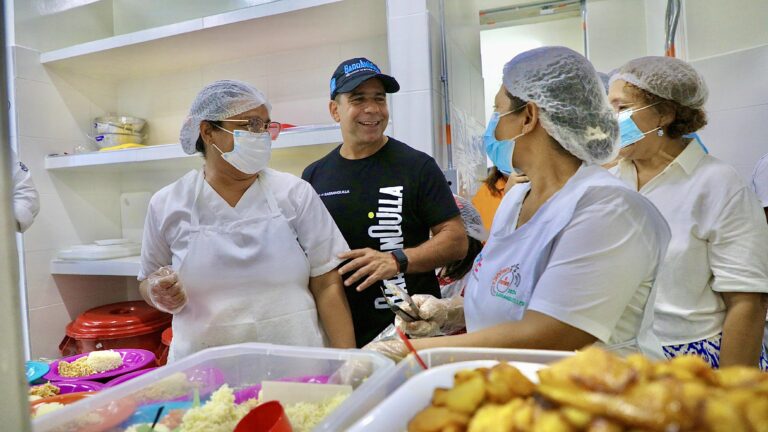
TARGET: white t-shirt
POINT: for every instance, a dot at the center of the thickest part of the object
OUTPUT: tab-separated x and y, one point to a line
719	238
595	273
26	201
166	231
760	180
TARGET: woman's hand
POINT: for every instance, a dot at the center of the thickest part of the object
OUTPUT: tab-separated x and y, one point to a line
439	316
393	348
165	291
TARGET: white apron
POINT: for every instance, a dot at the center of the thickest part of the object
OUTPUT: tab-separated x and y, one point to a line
246	281
507	270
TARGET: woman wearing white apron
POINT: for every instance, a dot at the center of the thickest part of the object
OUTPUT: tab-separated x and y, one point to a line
712	288
236	251
573	254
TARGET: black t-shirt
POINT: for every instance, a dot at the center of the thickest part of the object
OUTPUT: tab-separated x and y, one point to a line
386	201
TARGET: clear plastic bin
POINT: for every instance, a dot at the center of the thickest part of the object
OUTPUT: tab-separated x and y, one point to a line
362	414
240	366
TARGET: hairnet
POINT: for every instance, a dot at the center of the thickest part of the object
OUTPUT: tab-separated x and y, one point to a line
219	100
471	217
666	77
573	106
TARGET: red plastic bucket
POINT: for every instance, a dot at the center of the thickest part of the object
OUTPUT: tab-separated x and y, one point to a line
165	338
132	324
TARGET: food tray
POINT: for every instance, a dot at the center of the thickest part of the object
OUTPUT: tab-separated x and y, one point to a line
242	366
133	360
365	415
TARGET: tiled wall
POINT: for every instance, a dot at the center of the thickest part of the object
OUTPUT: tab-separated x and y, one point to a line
737	109
54	112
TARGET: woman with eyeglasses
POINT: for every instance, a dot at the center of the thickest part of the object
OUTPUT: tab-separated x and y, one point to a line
238	252
572	254
712	287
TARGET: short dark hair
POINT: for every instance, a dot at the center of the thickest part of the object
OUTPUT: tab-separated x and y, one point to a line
200	144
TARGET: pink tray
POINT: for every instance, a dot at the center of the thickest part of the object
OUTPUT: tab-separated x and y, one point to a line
133	360
128	377
78	386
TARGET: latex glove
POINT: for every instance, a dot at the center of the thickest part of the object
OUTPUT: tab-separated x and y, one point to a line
352	372
394	349
439	316
166	291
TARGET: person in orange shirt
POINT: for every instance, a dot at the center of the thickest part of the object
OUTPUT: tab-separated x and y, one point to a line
488	197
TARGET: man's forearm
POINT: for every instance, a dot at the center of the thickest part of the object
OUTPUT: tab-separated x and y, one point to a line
446	246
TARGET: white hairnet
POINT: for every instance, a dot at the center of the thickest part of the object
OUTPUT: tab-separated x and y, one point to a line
219	100
573	105
666	77
471	217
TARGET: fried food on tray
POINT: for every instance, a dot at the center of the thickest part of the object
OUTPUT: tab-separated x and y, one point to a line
596	391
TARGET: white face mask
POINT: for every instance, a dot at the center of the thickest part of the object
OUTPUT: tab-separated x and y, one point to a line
251	152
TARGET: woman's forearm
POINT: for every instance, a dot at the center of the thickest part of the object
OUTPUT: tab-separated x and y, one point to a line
742	329
333	309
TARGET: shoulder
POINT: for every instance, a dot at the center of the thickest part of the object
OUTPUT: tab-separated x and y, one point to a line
717	179
177	193
289	189
310	170
761	166
403	151
613	200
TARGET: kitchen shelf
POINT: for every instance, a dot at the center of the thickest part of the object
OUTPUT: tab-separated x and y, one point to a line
128	266
156	154
243	32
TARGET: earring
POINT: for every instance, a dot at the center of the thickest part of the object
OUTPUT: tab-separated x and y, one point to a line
660	132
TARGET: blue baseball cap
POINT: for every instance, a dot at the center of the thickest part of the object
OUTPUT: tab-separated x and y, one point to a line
353	72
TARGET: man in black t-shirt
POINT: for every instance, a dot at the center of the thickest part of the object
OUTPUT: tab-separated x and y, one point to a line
386	199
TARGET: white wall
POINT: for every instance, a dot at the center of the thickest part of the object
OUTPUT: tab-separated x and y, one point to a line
500	45
47	25
728	43
737	109
716	27
616	31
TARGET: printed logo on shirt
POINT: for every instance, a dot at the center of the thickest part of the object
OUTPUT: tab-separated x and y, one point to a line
504	285
23	167
388	229
477	265
338	192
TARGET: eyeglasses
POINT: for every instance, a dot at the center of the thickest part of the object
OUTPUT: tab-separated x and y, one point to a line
257	125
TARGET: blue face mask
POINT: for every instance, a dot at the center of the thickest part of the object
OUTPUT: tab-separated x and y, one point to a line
500	152
630	133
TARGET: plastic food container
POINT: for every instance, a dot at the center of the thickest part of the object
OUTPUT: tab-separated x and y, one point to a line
374	414
112	139
241	367
132	324
118	124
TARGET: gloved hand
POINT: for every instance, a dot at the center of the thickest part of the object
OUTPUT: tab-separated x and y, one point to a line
439	316
166	291
352	372
394	348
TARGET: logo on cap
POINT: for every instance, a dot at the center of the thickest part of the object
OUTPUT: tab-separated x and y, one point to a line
361	64
333	84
